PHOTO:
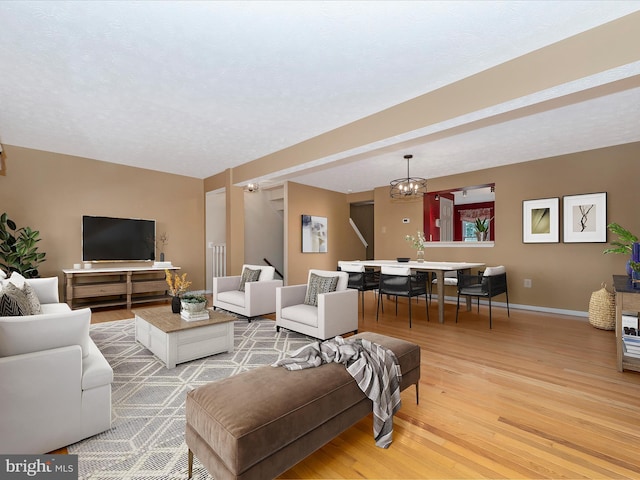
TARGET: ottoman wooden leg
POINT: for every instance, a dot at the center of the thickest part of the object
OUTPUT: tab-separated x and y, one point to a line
190	467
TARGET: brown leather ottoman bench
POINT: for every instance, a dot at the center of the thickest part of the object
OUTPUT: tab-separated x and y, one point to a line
260	423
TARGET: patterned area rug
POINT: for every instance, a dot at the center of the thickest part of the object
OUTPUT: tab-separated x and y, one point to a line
146	439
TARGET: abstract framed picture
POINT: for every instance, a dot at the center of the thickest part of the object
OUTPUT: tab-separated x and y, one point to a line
585	218
314	234
541	221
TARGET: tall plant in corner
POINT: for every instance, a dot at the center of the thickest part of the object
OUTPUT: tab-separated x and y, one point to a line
18	248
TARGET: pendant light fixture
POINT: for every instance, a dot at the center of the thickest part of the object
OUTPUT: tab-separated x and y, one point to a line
408	187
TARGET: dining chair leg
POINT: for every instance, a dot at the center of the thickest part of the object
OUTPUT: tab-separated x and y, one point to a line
426	306
507	293
490	314
457	308
409	312
378	306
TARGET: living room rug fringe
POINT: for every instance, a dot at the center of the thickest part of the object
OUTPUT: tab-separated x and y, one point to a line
146	440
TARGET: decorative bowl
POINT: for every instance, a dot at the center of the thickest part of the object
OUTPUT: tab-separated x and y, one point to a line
403	259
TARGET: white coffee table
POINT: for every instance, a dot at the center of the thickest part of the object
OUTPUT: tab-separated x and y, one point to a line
174	340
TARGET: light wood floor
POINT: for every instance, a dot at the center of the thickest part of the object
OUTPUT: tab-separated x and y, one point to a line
538	396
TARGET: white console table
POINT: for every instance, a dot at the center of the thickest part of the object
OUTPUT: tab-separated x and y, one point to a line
106	287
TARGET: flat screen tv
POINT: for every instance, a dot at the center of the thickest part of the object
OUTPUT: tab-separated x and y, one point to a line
107	239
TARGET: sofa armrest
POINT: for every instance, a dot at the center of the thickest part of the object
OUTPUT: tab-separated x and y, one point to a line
339	311
225	284
261	296
96	371
290	295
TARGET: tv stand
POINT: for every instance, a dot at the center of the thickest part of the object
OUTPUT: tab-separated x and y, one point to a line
108	287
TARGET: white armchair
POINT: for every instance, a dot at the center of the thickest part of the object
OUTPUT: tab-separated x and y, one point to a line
336	311
253	298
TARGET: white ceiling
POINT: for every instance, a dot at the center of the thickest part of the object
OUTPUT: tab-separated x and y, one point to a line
194	88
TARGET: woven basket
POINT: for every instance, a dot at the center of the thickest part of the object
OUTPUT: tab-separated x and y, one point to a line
602	309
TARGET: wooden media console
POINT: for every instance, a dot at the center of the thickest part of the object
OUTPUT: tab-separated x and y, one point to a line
106	287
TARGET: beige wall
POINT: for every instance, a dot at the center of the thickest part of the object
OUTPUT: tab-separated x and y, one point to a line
563	275
342	242
50	193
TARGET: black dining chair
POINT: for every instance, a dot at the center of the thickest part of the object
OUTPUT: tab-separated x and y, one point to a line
399	282
492	282
361	278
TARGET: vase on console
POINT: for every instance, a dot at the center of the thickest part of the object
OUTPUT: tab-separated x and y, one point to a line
420	256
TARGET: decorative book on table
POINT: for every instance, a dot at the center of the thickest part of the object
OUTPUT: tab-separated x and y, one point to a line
194	316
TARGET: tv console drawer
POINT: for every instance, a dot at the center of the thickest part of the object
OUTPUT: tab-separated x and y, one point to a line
99	290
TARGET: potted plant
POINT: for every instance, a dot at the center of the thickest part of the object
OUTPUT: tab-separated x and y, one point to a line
18	248
624	243
482	228
193	302
178	284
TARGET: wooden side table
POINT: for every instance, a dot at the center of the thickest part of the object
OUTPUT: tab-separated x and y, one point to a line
627	299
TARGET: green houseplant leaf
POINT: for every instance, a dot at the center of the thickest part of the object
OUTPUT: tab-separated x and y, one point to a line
19	249
624	242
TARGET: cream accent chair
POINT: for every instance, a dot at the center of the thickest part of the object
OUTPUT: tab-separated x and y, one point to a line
336	313
56	384
258	298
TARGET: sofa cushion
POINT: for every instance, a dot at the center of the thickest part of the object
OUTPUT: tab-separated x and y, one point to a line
319	284
267	272
17	279
32	299
13	301
305	314
46	288
234	297
35	333
249	275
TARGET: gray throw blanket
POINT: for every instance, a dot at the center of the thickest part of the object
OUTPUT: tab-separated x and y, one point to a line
374	367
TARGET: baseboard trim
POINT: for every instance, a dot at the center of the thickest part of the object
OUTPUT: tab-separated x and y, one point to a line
518	306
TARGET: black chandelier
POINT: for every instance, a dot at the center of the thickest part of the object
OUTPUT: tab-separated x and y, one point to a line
408	187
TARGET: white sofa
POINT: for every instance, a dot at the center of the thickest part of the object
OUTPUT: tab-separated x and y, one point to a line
336	312
258	297
56	384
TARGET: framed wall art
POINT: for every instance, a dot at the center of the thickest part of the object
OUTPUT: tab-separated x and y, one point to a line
585	218
541	221
314	234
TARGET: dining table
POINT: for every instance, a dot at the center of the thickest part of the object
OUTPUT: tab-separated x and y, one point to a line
438	267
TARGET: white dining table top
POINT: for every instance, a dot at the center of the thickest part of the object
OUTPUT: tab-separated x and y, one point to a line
435	266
